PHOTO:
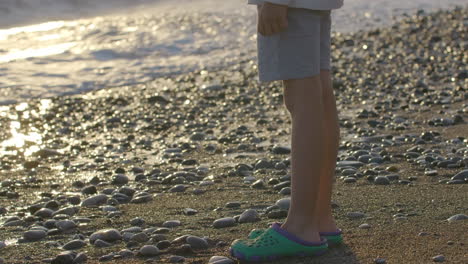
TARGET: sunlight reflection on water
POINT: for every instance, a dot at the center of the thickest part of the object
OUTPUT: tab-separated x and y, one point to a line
29	142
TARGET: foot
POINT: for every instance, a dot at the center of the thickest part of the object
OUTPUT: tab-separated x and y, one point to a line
306	234
276	242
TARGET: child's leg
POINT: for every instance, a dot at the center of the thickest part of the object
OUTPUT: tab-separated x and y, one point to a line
303	99
331	135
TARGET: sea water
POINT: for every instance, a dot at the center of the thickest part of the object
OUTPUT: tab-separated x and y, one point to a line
60	47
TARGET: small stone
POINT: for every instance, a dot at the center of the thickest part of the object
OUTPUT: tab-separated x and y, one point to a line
284	203
63	258
137	221
281	150
101	243
190	211
220	260
285	191
431	173
80	258
249	216
178	188
381	180
462	175
2	244
163	244
171	223
349	180
74	244
140	237
65	225
224	222
149	251
355	215
120	179
96	200
349	163
380	261
457	217
233	205
34	235
197	242
438	258
365	226
176	259
44	213
259	184
109	235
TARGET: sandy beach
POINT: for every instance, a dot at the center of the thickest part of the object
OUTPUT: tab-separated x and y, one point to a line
162	171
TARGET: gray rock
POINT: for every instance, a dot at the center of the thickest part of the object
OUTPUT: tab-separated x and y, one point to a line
233	204
284	203
140	238
462	175
365	226
120	179
109	235
349	180
197	242
438	258
2	244
80	258
176	259
281	150
220	260
224	222
44	213
380	261
355	215
285	191
34	235
259	184
381	180
178	188
63	258
95	200
2	261
249	216
190	211
149	251
457	217
70	211
349	163
101	243
65	225
171	223
74	244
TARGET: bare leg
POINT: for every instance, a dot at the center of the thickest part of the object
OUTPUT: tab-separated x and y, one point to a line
331	137
303	99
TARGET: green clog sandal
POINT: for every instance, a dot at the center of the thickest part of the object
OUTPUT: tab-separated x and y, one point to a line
333	238
274	243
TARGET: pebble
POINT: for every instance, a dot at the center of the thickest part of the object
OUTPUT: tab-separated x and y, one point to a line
190	211
44	213
224	222
349	180
96	200
380	261
80	258
176	259
457	217
65	225
285	191
220	260
120	179
259	184
109	235
284	203
2	261
349	163
381	180
355	215
178	188
281	150
365	226
34	235
233	205
101	243
249	216
2	244
197	242
63	258
171	223
149	251
438	258
462	175
74	244
140	237
163	244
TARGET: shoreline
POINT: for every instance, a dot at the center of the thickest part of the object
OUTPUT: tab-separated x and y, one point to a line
216	142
